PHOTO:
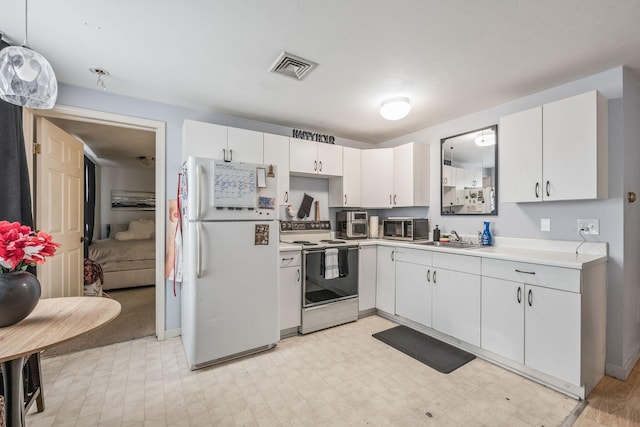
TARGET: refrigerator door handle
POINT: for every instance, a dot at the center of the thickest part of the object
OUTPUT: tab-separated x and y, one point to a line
199	249
198	190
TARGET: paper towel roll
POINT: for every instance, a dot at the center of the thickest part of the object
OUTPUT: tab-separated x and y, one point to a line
373	227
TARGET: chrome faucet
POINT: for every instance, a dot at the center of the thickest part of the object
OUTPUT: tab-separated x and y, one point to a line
454	233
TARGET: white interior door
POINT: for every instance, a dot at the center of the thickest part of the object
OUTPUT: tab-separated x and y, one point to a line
60	208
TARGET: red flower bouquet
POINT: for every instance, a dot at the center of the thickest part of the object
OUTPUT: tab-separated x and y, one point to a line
20	247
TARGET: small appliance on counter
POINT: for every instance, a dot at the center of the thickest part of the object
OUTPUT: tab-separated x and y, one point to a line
405	228
352	225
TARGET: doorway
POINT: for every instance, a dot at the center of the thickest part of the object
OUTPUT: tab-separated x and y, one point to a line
120	121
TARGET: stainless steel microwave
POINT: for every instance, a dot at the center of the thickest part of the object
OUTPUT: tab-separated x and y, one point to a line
405	228
352	224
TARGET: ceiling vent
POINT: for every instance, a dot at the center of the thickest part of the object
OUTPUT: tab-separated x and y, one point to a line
292	66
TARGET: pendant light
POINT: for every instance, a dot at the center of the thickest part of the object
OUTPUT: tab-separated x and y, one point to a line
26	77
395	108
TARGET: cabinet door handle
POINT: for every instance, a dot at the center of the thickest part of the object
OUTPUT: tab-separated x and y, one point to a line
287	259
345	199
537	190
525	272
298	270
286	196
434	276
392	257
320	163
224	154
445	180
395	196
315	165
230	155
530	297
519	295
390	200
548	186
429	275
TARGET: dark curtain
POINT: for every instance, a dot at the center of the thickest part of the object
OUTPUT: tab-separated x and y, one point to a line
15	194
89	202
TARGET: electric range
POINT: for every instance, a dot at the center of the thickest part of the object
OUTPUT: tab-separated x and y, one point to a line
330	280
311	235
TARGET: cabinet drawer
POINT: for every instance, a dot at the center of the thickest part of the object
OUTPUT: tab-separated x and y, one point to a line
414	256
564	279
461	263
290	258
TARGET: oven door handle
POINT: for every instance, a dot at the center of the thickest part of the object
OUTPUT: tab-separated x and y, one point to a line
316	251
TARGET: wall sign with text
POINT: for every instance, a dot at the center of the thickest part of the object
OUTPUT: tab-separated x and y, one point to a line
313	136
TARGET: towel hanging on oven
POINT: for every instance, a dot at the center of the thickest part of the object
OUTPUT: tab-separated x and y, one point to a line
331	270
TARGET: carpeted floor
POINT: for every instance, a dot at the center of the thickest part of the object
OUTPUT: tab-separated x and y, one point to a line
136	320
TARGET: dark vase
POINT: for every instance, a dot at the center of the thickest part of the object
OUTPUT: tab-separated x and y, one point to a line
19	295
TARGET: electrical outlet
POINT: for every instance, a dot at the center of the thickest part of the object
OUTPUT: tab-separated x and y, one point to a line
589	226
545	224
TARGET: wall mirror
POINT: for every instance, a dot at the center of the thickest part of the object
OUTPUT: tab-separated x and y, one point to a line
469	173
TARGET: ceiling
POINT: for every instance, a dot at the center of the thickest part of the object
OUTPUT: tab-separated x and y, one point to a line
450	58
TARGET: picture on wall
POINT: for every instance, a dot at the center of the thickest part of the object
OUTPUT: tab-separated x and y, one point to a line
133	200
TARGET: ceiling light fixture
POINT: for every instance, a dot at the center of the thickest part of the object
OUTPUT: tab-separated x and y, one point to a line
101	72
486	140
26	77
395	108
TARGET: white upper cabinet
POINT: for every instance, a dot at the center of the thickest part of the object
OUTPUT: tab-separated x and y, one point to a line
411	175
394	177
344	191
244	146
314	158
276	151
377	178
213	141
574	155
201	139
520	154
555	152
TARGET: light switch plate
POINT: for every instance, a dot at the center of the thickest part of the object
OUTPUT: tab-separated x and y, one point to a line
545	224
589	226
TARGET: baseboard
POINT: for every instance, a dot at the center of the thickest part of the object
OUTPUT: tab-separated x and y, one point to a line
623	372
172	333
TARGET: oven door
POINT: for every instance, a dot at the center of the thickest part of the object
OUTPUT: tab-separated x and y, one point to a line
317	290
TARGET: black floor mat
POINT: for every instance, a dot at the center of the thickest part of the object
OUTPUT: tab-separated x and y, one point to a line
439	355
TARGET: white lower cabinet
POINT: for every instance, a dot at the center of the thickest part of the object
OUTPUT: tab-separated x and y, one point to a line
290	289
386	280
533	325
550	319
413	285
502	323
413	292
552	332
367	278
456	296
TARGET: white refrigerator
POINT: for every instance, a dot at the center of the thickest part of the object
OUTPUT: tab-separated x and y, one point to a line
230	271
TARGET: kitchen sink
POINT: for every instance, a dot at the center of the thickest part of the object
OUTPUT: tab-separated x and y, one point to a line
457	245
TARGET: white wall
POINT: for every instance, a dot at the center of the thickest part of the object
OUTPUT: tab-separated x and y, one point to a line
631	183
121	178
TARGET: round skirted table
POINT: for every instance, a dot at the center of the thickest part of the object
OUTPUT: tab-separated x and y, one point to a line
53	321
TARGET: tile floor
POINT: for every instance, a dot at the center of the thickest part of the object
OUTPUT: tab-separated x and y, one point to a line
339	376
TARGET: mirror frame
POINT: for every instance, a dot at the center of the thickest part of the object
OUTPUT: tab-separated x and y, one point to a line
495	185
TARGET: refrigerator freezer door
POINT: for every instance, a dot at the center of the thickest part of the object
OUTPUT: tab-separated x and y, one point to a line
232	309
218	190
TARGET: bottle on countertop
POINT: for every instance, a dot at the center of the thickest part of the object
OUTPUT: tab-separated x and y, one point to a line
486	235
436	234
